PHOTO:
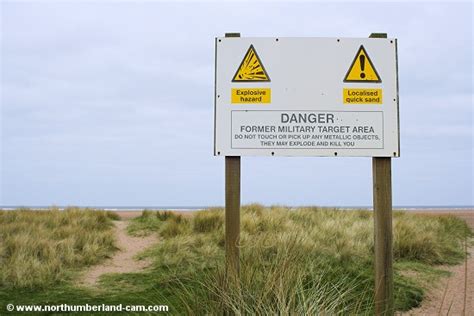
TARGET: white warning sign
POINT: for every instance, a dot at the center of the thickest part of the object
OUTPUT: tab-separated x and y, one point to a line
306	97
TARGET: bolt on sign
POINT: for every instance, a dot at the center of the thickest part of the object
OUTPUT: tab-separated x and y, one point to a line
306	97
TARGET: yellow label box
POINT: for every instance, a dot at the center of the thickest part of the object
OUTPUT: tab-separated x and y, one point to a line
251	95
362	96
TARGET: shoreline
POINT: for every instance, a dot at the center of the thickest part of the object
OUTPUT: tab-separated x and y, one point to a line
430	209
466	213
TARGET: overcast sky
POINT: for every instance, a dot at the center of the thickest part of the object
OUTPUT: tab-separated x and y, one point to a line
112	104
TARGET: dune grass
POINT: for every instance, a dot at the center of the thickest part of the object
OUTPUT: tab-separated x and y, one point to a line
41	248
309	260
293	261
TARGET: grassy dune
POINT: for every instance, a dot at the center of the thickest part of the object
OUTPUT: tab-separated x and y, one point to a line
41	248
304	261
308	260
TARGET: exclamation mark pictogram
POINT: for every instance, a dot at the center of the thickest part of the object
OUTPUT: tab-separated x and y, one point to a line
362	66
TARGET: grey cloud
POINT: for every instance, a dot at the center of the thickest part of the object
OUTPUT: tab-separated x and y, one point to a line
113	103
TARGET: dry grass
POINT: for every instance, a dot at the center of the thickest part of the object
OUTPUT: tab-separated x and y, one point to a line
310	260
40	248
429	239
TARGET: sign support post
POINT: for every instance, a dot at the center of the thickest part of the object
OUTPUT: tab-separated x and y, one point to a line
382	195
232	211
232	214
289	96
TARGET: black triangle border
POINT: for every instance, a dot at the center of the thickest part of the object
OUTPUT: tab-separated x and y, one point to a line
361	48
243	59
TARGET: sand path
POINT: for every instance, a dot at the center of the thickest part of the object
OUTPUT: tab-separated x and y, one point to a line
447	298
123	260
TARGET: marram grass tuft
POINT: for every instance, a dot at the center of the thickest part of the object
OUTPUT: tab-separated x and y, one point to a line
41	248
293	261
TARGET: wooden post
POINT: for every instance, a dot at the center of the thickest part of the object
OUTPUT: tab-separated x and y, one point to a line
232	211
382	194
232	214
382	170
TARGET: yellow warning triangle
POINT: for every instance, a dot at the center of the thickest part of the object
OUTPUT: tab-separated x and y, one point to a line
362	69
251	68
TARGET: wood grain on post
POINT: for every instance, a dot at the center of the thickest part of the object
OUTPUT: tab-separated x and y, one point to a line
382	181
382	194
232	210
232	214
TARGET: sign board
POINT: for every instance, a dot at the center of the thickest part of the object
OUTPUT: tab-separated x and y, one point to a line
306	97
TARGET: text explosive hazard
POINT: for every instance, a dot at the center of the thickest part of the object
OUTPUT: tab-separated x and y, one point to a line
307	129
